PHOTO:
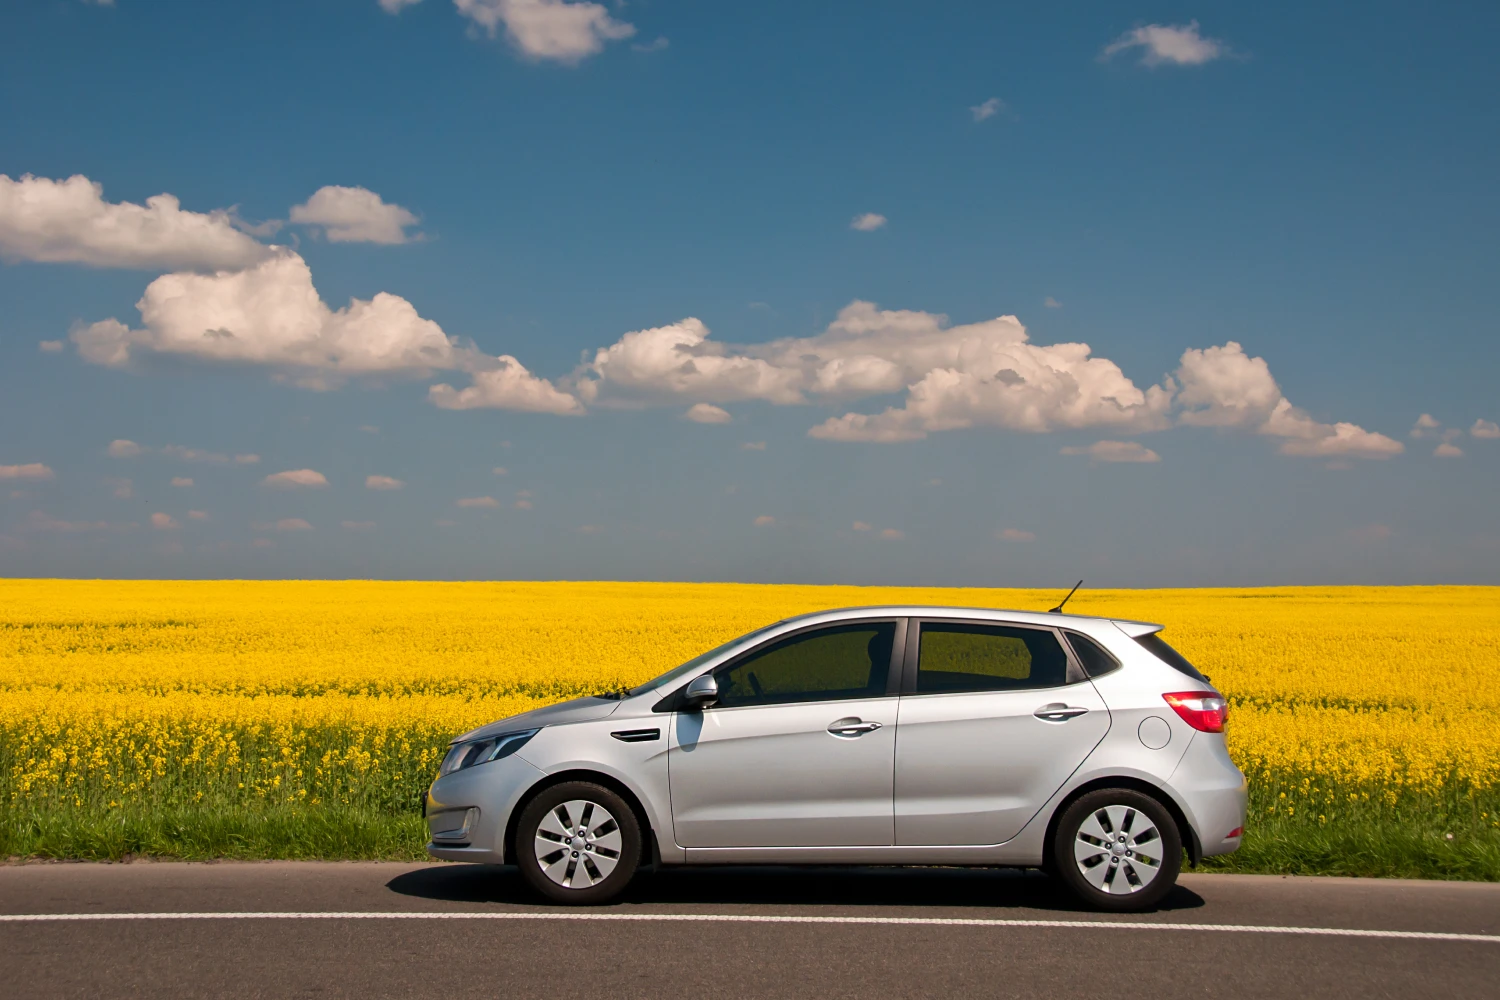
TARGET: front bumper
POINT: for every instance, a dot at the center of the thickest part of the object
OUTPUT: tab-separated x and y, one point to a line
467	811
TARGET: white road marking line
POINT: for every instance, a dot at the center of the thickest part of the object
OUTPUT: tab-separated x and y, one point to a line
744	918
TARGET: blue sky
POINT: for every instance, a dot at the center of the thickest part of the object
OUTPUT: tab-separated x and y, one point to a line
767	292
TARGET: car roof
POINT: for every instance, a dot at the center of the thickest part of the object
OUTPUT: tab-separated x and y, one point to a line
1050	618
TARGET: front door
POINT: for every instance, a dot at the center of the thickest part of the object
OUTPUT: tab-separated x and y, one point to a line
990	731
799	749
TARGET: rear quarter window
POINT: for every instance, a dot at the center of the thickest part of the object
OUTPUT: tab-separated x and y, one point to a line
1157	647
1096	660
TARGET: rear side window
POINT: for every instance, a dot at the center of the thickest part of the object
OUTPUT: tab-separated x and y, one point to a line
1157	647
1095	658
958	657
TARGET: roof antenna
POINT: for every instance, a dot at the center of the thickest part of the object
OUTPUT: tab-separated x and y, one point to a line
1058	609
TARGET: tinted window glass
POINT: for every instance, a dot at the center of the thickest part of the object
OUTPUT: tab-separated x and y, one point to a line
988	658
1159	648
1095	658
849	661
697	661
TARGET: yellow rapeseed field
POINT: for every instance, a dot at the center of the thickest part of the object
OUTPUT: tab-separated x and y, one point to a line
149	694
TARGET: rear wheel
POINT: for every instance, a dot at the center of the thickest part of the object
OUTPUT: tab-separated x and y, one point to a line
1118	850
578	843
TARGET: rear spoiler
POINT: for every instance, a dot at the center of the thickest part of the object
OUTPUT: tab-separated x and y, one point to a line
1136	629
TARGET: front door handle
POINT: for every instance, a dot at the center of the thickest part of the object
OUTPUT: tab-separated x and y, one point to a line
851	727
1058	712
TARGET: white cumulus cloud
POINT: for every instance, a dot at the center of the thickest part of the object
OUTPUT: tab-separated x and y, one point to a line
559	30
1485	429
182	481
68	221
396	6
295	479
987	109
1175	44
707	413
868	222
120	448
31	470
354	215
186	454
1115	451
163	521
979	374
383	483
489	502
507	386
1306	436
270	314
679	360
1446	450
1426	425
1225	387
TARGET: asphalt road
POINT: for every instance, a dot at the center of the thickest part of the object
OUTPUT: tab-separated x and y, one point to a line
519	949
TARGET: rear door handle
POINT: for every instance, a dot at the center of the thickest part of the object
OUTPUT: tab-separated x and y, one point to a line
851	727
1058	712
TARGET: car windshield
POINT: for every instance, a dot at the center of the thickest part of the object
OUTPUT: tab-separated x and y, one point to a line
698	661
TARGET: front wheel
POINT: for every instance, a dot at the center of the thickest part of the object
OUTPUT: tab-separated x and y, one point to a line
1118	850
578	843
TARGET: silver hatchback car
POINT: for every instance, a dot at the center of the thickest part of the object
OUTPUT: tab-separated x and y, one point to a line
871	736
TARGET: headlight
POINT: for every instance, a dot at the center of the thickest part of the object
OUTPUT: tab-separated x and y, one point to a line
463	755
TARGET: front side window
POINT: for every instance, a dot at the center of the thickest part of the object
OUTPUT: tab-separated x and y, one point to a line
961	657
844	662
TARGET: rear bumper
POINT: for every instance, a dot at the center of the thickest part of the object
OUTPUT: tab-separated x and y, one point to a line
1213	794
467	811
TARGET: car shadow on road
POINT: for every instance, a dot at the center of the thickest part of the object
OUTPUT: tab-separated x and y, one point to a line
976	888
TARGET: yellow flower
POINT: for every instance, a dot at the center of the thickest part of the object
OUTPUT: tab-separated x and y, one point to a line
111	692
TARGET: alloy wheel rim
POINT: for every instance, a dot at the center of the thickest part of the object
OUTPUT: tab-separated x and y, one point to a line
1118	850
578	844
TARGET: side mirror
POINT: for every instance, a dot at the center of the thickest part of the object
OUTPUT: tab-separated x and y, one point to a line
701	692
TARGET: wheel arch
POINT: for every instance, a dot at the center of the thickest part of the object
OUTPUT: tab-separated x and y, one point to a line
624	791
1185	830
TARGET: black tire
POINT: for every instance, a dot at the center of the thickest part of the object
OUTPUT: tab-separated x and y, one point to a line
604	877
1130	880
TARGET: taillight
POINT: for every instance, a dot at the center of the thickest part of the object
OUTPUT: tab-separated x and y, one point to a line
1205	711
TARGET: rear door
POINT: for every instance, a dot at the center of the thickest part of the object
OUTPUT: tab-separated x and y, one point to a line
799	750
993	719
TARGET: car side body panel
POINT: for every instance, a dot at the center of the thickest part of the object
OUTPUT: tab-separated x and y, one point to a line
973	768
774	776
